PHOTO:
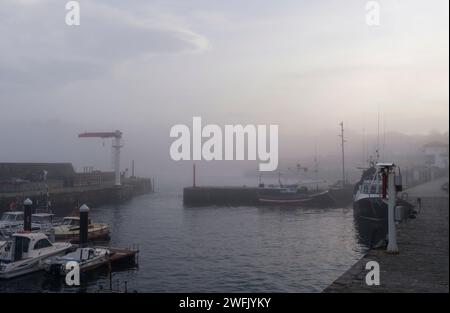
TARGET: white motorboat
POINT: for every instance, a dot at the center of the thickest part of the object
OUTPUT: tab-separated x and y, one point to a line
87	259
42	221
69	230
25	252
11	221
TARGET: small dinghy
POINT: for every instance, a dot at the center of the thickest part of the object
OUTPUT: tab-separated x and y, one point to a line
87	258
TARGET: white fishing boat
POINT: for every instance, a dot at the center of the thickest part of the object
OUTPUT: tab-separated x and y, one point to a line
87	259
25	252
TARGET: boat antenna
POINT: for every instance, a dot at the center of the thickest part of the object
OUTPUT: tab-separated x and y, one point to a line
343	152
316	166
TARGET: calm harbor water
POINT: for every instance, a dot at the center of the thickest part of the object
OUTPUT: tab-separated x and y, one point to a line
218	249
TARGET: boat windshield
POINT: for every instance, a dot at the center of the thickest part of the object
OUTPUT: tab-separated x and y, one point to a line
71	222
41	219
8	217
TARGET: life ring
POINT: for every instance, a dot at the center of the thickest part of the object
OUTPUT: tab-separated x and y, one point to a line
13	206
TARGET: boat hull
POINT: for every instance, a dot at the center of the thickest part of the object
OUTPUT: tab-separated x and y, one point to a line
93	235
29	266
58	270
316	199
374	209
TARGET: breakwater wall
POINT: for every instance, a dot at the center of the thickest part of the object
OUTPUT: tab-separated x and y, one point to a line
64	199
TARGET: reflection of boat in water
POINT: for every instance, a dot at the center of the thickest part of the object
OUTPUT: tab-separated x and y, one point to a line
69	230
293	195
25	252
368	201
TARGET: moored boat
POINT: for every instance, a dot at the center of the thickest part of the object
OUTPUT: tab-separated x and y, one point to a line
25	252
368	201
293	195
87	259
69	230
11	221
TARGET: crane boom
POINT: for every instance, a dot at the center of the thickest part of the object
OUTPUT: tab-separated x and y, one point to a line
116	134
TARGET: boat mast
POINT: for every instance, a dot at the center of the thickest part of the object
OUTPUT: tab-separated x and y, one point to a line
316	167
343	153
378	138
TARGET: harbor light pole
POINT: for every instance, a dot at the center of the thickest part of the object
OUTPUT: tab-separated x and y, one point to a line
392	244
387	171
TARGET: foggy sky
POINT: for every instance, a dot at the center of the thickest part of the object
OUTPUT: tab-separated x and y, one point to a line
143	66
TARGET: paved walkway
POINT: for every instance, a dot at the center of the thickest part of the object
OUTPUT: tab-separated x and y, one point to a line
423	262
430	189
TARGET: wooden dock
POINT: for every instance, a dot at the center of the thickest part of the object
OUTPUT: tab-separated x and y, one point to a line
123	254
117	256
422	266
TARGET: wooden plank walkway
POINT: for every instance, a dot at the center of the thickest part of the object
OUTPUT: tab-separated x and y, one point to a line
422	265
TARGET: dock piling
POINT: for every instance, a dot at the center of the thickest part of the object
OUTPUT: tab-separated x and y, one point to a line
84	224
27	210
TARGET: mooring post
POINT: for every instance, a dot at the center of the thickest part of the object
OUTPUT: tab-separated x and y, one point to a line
27	209
193	175
392	237
84	224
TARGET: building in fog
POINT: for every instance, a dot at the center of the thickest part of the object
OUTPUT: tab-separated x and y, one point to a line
19	177
436	155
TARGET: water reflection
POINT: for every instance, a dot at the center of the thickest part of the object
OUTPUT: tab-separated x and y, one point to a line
219	249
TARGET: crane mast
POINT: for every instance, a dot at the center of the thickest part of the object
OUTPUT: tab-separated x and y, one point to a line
117	136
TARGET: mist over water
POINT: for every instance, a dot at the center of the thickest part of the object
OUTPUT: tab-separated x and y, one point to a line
219	249
142	67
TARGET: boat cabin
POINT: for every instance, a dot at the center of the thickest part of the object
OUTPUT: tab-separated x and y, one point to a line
80	254
372	187
42	220
11	220
25	245
71	221
16	216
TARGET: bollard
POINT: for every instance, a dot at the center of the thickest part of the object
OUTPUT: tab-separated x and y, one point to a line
27	209
84	224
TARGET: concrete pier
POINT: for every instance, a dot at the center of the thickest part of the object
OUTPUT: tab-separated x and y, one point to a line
68	198
422	264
